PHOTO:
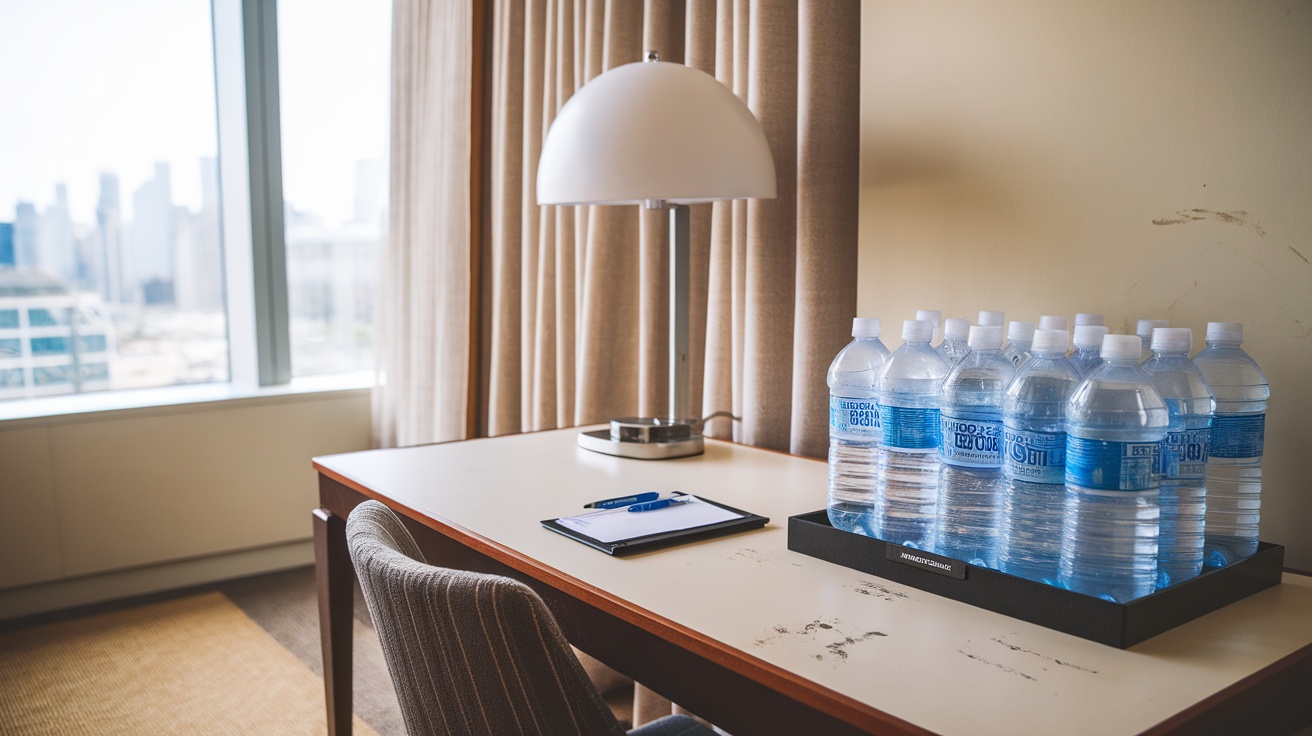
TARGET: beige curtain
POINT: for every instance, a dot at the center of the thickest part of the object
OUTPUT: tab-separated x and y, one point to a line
579	295
424	312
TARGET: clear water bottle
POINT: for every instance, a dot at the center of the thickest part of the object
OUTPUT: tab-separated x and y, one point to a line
854	428
907	456
1088	318
953	347
989	318
1183	496
970	482
1055	322
1034	460
1234	469
934	316
1115	424
1144	330
1020	335
1088	346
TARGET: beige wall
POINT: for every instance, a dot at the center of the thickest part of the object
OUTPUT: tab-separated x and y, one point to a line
1143	160
88	497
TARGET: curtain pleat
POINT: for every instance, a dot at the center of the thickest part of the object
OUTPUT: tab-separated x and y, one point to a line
579	322
424	341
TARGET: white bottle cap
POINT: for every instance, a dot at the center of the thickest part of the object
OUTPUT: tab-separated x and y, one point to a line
932	316
1121	347
866	327
1049	322
956	329
1225	332
1089	336
917	330
1173	339
1022	331
989	318
1086	318
985	337
1146	326
1052	341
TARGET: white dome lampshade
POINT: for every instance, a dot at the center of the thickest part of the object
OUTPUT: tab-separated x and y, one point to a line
654	132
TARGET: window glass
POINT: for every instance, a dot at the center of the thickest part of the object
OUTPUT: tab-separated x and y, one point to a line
334	112
109	195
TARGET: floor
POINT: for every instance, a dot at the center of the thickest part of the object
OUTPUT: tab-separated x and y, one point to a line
285	604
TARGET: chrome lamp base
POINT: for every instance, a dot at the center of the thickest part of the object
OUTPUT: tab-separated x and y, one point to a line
646	438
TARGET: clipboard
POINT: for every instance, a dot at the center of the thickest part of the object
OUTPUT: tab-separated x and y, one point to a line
744	521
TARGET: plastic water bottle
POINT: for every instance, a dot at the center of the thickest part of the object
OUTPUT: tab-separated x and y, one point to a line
1053	322
1088	318
1234	470
1145	332
1034	453
1183	496
970	482
1088	346
1019	337
1115	424
907	456
854	428
934	316
989	318
953	347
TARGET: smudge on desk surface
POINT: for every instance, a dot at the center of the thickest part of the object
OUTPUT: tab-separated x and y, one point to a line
825	633
747	554
875	590
1003	667
1054	660
1233	217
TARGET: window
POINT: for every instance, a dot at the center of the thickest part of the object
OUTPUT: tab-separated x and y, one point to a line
112	190
108	193
334	151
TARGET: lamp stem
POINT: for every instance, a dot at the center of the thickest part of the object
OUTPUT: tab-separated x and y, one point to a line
680	400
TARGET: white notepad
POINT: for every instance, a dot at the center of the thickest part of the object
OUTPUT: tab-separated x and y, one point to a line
613	525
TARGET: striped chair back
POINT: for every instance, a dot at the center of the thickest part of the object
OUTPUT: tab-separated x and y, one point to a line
469	653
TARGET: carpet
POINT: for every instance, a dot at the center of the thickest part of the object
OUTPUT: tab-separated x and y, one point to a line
194	665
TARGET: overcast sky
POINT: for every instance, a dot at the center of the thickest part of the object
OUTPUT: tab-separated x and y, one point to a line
90	86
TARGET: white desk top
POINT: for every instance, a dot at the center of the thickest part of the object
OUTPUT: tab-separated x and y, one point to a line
943	665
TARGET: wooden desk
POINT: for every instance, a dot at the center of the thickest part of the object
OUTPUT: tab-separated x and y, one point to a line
761	640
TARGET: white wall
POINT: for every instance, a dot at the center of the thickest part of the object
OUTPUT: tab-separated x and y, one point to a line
117	503
1143	160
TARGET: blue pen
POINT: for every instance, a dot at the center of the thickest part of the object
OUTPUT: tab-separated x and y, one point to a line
653	505
614	503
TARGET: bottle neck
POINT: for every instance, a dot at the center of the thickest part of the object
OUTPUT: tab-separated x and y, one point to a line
1230	344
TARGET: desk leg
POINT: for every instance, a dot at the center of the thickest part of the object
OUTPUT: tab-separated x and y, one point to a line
336	581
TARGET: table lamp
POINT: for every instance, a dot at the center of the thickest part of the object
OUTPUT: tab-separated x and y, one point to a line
660	135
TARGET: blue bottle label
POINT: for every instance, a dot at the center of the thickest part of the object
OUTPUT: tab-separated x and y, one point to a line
1238	435
1035	457
1112	466
1184	454
975	443
853	419
909	428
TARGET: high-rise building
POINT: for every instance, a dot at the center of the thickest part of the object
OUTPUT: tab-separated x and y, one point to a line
52	340
27	230
152	233
114	286
199	250
56	250
6	244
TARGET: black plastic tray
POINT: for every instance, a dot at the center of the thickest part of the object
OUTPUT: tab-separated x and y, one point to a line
1115	624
